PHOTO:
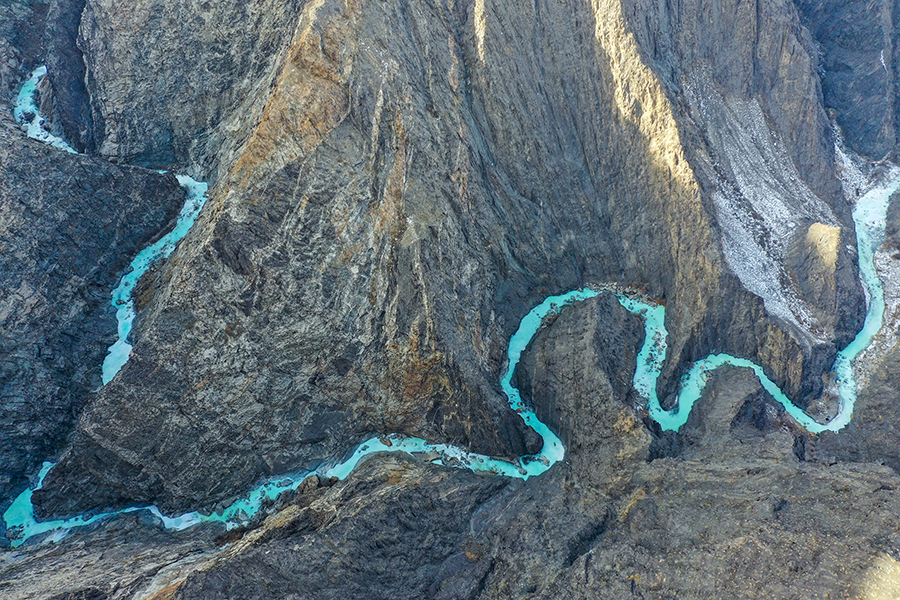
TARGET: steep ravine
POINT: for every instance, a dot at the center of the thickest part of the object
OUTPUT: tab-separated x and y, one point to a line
57	269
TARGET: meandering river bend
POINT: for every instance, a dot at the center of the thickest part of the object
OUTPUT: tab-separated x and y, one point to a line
869	217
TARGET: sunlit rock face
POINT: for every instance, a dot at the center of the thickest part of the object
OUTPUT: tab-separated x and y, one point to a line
155	107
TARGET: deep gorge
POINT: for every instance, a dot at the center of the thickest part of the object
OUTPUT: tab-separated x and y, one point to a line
392	188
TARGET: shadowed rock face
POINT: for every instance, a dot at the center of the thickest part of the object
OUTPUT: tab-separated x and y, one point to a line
859	68
736	517
414	177
68	103
174	83
21	27
718	59
873	435
57	268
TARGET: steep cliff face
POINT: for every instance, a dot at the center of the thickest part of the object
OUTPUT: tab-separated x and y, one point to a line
415	178
859	63
68	103
872	436
742	76
721	60
21	27
745	96
173	83
57	269
735	516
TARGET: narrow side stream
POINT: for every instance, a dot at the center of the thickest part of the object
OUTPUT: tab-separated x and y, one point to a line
26	112
122	301
21	519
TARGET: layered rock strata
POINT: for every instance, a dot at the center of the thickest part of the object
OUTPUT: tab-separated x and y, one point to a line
859	61
738	516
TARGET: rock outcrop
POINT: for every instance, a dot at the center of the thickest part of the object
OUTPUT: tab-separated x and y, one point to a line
67	101
737	518
21	34
181	82
68	227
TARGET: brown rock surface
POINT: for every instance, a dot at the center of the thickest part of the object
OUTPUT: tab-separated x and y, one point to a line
736	517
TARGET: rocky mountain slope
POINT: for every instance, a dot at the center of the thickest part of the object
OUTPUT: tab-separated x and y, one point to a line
393	187
374	288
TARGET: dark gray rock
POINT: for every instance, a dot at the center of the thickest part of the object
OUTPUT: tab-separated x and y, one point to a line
22	25
69	104
717	59
420	534
892	225
587	405
69	225
872	436
396	185
125	558
859	68
181	82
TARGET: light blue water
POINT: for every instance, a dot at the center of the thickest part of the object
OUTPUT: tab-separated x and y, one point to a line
26	113
21	513
122	300
869	216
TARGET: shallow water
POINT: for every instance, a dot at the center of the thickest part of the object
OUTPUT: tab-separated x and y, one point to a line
20	515
122	300
26	112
